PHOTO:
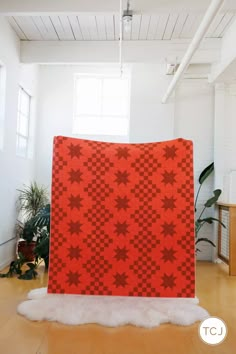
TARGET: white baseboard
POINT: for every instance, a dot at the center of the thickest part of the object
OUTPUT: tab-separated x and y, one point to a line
6	263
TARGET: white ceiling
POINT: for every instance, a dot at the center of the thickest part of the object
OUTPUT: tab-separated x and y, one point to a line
166	26
85	20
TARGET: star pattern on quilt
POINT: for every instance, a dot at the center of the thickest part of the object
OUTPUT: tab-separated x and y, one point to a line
123	152
122	177
74	252
75	150
169	281
169	177
120	279
170	152
168	254
122	219
75	227
121	228
75	202
73	278
121	253
75	176
168	228
169	203
122	203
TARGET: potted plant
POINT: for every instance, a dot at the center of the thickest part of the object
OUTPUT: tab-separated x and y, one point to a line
201	220
33	232
31	200
39	228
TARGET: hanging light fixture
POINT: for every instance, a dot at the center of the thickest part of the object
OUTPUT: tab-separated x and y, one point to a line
125	26
127	17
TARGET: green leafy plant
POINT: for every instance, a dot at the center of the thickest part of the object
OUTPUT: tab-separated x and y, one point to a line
32	199
39	227
200	221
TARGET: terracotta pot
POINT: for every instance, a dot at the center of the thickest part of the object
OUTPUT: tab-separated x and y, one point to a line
27	250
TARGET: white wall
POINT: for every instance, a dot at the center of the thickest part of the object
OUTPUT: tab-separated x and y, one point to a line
194	120
225	142
150	120
14	170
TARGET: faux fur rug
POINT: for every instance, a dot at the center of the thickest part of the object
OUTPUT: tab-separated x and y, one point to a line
110	311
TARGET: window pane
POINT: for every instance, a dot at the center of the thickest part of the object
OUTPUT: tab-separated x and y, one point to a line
23	125
116	106
23	119
88	96
102	106
115	87
24	103
88	124
21	145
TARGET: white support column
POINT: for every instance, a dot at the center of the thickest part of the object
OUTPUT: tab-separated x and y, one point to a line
219	151
219	137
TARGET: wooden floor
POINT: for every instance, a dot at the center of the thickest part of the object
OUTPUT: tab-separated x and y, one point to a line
215	289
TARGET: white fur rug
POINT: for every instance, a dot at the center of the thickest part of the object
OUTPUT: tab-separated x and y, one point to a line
110	311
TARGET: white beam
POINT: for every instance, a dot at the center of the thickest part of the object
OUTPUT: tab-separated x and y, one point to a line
108	51
201	31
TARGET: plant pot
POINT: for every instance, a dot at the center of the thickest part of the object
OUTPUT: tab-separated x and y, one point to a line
26	249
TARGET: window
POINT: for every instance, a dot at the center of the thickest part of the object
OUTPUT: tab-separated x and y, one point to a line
23	122
2	103
101	105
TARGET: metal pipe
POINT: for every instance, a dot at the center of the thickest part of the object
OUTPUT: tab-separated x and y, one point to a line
121	38
193	46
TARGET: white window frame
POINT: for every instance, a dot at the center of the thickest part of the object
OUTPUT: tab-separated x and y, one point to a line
2	103
19	134
101	76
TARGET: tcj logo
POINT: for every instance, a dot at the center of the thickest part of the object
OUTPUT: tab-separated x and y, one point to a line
213	330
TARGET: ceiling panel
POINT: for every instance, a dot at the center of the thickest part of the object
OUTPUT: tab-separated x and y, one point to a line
62	28
117	26
110	27
181	20
83	24
28	27
214	24
135	27
48	32
144	26
222	25
161	26
170	26
75	27
152	27
14	24
101	29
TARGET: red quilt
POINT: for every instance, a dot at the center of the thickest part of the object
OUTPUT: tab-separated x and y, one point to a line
122	219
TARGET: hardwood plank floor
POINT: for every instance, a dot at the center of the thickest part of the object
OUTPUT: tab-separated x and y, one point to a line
215	289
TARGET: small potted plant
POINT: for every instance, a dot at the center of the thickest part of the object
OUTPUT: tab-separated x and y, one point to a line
33	232
39	227
32	199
